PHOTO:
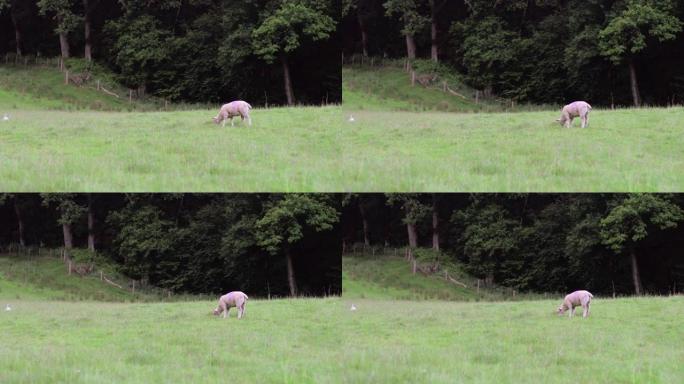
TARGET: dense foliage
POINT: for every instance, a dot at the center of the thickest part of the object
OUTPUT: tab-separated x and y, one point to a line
605	51
262	244
263	51
539	242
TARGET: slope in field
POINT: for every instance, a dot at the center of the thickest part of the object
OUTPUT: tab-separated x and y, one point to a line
391	278
40	87
389	88
44	278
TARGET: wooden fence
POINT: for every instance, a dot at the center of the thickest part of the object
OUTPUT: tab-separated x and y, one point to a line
79	79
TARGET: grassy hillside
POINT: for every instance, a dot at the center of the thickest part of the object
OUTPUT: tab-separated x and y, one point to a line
389	88
390	277
44	277
37	87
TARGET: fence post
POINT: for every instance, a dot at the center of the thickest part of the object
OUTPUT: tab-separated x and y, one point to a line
101	277
98	84
413	78
69	263
66	77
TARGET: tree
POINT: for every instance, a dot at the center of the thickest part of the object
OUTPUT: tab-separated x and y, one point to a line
144	238
489	50
141	47
66	19
489	236
13	6
285	24
285	220
629	30
435	223
17	212
88	9
435	9
414	211
91	223
629	222
69	213
413	21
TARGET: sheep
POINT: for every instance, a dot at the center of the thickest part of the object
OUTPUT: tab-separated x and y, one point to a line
576	299
575	109
231	299
232	109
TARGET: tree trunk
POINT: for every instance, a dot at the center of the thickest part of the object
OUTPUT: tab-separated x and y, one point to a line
435	224
412	235
91	224
64	45
635	272
20	223
636	97
410	47
292	282
434	51
364	36
17	31
288	83
86	23
68	239
364	220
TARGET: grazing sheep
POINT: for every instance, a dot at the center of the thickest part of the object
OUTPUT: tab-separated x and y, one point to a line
579	109
576	299
232	109
231	299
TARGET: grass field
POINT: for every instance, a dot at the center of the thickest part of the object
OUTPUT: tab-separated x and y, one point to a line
46	339
385	149
322	341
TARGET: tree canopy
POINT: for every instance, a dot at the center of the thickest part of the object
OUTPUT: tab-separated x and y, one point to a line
536	242
205	243
191	50
604	51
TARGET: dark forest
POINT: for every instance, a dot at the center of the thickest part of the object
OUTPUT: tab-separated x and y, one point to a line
607	243
264	51
275	245
552	51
